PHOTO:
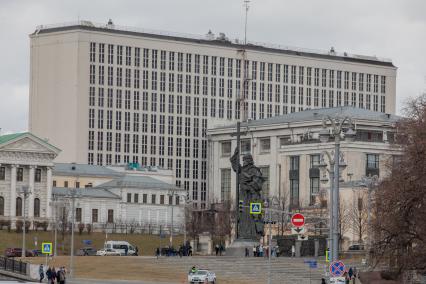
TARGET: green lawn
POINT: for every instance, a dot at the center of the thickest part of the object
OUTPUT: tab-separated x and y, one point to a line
145	243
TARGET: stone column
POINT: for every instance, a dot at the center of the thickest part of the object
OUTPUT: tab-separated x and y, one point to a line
49	193
31	195
12	211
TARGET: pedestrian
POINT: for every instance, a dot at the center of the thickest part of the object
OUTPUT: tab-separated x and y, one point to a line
49	275
136	251
216	248
350	273
193	270
254	250
277	251
293	251
247	252
261	250
257	250
323	281
61	275
180	251
41	272
53	275
221	249
157	252
189	251
126	250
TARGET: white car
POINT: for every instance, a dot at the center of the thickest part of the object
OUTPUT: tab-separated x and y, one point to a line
202	276
107	252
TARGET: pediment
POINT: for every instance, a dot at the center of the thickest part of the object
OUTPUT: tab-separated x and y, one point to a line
28	144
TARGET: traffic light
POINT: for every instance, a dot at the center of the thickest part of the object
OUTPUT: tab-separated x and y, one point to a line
240	206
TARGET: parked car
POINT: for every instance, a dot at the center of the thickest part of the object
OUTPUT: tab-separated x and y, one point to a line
120	246
17	252
202	276
87	251
107	252
37	252
356	247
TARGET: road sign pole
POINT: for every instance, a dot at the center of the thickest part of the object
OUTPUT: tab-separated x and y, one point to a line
270	245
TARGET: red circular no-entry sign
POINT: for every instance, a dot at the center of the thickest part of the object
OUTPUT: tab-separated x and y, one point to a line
298	220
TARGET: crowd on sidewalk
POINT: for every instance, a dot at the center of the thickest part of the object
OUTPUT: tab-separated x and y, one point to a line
52	275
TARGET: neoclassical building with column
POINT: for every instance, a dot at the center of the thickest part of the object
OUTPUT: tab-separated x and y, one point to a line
26	161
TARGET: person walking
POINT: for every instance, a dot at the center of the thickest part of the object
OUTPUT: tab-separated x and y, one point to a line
221	249
323	281
61	276
53	279
41	272
350	273
126	250
157	252
293	251
216	248
261	250
49	275
247	252
254	250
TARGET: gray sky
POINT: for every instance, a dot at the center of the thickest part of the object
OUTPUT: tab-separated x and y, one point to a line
394	29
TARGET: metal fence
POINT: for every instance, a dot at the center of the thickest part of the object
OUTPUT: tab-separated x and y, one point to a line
12	265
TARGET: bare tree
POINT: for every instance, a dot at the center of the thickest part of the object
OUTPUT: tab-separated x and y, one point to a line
358	215
400	201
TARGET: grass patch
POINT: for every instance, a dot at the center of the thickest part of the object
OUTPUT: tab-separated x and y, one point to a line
146	243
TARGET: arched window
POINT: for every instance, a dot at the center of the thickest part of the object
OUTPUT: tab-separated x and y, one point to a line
19	206
36	207
1	206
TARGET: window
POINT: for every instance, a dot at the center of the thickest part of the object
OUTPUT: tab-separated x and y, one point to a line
225	185
136	198
20	174
265	145
19	206
145	198
245	146
129	197
37	177
294	181
2	173
314	175
78	214
110	216
265	175
161	199
66	183
94	215
372	161
153	199
226	148
1	206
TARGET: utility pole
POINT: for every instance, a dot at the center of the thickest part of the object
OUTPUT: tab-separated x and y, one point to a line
25	192
73	195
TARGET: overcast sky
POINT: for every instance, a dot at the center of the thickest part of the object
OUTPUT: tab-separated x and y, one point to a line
393	29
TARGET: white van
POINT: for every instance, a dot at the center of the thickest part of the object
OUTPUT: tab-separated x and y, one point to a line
120	246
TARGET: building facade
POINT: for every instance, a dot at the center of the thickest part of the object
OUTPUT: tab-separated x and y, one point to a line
133	96
288	151
26	161
119	197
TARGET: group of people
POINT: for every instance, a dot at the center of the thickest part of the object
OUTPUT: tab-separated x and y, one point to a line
261	251
52	275
184	250
219	249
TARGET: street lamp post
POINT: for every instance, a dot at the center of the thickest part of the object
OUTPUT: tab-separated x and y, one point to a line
370	182
337	125
72	195
172	193
25	192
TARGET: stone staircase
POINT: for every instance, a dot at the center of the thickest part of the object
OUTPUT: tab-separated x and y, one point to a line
248	270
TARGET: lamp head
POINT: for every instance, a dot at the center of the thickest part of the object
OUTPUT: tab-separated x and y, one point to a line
324	135
350	134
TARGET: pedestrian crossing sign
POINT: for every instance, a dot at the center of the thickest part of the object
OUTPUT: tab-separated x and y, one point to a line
255	208
46	248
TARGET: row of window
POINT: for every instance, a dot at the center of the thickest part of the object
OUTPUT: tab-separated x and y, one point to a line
372	166
134	198
20	174
217	66
95	215
195	106
19	206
